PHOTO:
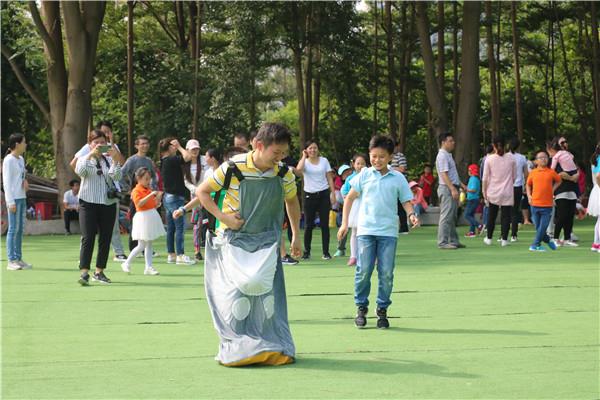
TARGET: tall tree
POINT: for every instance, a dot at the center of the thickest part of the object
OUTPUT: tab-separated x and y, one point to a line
375	68
196	35
130	78
407	44
391	79
439	119
494	101
469	87
455	90
517	69
596	68
441	63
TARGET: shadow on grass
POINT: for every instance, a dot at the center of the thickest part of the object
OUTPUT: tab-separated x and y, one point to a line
378	367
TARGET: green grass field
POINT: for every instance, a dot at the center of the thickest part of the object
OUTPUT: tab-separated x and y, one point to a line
484	322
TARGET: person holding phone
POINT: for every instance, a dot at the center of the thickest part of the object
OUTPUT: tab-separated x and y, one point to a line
319	195
97	204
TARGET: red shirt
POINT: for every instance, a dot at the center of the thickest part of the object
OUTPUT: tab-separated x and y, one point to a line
426	182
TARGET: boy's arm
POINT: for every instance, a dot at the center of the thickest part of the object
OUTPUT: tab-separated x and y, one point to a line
352	195
408	207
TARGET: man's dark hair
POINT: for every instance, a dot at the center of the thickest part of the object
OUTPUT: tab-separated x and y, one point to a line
141	137
164	144
73	182
214	153
102	123
514	144
252	135
273	132
241	135
382	142
233	151
15	139
442	137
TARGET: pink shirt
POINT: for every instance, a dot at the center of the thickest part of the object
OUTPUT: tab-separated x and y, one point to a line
419	198
565	159
499	174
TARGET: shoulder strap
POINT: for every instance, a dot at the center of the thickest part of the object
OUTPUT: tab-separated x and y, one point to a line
283	169
232	170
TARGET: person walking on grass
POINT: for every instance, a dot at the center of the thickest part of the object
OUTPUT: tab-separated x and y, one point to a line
194	174
380	189
498	181
15	193
473	193
593	208
541	184
449	184
520	179
147	224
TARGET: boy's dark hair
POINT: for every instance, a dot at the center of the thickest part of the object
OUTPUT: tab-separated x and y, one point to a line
489	149
241	135
442	137
382	142
163	144
102	123
273	132
73	182
15	139
140	172
141	137
95	134
233	151
361	155
309	142
514	144
499	144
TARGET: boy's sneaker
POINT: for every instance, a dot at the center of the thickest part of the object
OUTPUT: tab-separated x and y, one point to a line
288	260
184	260
351	262
125	267
100	277
470	234
361	317
120	258
447	246
84	279
24	265
487	241
504	243
326	256
570	243
14	266
198	256
150	271
171	259
536	248
382	321
340	253
514	239
551	245
306	256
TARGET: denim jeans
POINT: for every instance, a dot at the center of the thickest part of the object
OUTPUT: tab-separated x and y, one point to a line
370	249
14	236
175	227
470	214
541	219
418	209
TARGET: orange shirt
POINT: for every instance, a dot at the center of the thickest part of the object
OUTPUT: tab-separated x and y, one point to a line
138	193
541	180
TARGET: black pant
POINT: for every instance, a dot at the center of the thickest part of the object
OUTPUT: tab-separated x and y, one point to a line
70	215
132	243
95	218
516	211
403	218
314	203
505	212
565	212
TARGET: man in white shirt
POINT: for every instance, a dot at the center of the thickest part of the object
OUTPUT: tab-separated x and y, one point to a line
71	205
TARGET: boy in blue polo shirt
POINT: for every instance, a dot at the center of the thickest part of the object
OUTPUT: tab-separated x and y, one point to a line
380	188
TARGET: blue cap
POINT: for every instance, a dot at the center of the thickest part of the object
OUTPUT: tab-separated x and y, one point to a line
343	168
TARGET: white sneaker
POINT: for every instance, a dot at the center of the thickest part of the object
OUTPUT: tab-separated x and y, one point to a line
487	241
125	267
570	243
504	243
24	265
574	237
514	239
150	271
185	260
14	266
171	259
120	258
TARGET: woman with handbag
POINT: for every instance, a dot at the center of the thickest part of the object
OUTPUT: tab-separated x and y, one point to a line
98	199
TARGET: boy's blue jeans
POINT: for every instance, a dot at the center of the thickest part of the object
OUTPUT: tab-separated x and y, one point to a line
371	248
470	214
14	236
541	219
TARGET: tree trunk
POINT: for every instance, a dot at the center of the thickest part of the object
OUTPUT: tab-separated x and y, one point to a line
392	124
439	120
552	74
517	69
130	99
197	45
316	94
193	7
375	70
455	90
441	63
498	71
469	86
596	69
407	46
494	104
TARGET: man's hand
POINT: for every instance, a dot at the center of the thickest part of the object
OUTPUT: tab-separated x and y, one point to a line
233	221
342	232
454	193
12	208
414	220
26	185
177	213
296	247
176	144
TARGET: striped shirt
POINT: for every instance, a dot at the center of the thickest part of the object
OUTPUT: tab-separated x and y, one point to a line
399	160
93	186
231	202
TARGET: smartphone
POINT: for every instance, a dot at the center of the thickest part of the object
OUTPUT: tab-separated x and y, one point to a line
104	148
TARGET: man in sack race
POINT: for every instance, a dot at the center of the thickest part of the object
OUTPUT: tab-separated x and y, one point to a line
243	273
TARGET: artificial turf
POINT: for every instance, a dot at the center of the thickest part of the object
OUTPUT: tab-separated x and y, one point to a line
483	322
